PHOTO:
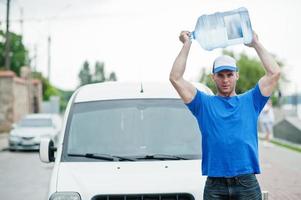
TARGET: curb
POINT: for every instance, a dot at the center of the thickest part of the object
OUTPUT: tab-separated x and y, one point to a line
282	143
292	146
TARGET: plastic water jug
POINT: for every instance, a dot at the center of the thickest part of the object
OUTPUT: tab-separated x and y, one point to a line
222	29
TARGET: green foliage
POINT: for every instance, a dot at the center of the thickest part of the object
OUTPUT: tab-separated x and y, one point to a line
250	71
85	76
64	98
18	52
287	145
112	77
207	80
47	89
50	91
98	76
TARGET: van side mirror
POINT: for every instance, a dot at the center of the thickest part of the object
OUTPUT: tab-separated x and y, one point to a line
47	150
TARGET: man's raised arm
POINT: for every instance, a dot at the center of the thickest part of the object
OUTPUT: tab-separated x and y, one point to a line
185	89
268	82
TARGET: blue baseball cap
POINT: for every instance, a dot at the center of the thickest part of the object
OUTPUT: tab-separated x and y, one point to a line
224	62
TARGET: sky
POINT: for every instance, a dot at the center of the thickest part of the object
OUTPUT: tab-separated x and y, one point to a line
138	39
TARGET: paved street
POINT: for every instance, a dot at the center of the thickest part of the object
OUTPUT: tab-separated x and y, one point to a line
23	176
280	173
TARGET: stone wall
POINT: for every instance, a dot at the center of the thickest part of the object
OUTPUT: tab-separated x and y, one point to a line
21	99
6	103
18	97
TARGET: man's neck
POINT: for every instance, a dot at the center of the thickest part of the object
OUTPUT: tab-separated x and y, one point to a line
231	94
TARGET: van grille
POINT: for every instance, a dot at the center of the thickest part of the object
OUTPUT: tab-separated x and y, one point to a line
174	196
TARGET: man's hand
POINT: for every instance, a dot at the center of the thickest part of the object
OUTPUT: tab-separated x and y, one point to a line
255	40
185	37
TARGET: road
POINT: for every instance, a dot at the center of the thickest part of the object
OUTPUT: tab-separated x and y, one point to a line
280	172
23	176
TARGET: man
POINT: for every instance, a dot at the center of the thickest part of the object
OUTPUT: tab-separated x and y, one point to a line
266	120
228	122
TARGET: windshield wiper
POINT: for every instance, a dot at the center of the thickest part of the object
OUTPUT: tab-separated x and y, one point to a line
161	157
102	157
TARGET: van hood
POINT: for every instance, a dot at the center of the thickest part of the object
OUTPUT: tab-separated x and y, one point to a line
96	178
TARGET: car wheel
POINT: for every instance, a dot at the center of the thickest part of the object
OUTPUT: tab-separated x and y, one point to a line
11	149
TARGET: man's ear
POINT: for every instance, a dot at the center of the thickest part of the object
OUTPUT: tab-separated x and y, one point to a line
212	76
237	75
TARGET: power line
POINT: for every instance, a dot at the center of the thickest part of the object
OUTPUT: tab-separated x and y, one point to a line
66	18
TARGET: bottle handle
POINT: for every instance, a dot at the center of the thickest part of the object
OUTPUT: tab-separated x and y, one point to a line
192	35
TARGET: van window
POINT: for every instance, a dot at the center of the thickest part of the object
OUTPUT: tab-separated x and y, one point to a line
132	128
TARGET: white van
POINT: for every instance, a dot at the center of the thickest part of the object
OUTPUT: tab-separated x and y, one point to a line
126	141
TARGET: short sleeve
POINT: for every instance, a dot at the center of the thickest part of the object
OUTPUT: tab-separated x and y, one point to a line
258	99
195	105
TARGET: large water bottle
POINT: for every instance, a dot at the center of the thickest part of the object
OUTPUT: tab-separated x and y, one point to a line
222	29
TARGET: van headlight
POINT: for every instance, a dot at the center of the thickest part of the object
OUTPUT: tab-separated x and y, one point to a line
65	196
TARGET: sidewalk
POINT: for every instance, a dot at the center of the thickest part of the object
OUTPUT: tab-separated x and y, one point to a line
3	141
280	172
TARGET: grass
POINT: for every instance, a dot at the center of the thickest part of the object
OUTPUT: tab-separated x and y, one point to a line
286	145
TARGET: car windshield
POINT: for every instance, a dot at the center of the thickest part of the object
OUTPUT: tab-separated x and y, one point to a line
35	122
132	128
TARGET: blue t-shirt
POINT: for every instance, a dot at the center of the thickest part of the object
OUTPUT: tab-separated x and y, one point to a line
229	132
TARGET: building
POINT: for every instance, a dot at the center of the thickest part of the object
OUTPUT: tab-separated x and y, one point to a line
18	97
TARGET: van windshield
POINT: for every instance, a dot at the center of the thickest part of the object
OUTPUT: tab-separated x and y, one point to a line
132	128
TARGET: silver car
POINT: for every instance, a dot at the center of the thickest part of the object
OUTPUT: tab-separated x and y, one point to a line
27	133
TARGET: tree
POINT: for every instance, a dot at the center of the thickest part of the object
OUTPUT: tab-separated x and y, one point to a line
47	89
18	52
250	71
99	75
85	76
112	77
64	98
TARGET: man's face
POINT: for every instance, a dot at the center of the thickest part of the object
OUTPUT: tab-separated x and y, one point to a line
225	82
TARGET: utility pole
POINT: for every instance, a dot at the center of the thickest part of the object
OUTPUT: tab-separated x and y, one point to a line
49	57
35	57
21	21
7	38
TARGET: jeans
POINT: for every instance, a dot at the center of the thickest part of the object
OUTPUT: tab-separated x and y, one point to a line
242	187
